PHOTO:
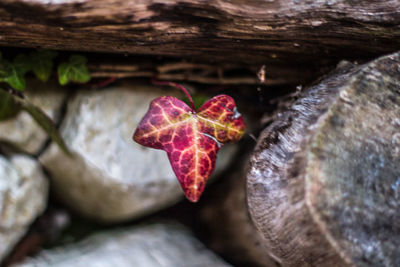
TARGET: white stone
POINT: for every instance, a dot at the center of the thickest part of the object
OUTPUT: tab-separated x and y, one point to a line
22	131
23	196
149	246
110	177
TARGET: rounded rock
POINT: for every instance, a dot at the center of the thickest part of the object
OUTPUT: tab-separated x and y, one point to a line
23	197
110	177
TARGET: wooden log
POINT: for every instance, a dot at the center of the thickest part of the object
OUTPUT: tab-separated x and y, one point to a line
227	224
324	182
299	36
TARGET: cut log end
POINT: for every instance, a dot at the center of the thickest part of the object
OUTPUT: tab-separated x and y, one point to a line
324	186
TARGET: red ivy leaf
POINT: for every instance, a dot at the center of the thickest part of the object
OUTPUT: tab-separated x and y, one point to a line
191	139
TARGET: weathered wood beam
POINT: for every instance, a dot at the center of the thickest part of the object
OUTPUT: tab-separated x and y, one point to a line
301	35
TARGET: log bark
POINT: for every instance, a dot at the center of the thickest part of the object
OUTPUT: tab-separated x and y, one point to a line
324	182
299	36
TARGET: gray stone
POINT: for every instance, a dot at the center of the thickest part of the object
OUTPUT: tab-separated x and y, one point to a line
23	196
148	246
110	177
22	131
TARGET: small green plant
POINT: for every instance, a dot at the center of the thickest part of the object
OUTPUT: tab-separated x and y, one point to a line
40	63
43	61
74	70
14	73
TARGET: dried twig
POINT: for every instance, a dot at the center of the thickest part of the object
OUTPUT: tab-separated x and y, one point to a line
183	71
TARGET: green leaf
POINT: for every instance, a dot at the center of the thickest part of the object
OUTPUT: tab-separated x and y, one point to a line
14	74
4	69
74	70
8	107
42	63
16	79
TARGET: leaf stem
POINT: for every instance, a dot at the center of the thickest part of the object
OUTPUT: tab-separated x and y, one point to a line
104	83
177	85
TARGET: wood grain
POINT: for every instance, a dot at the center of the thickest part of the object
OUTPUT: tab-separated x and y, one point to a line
299	36
324	182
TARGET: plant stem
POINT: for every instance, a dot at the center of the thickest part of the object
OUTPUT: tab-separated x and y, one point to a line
154	81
